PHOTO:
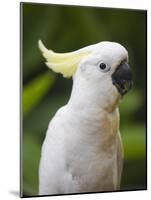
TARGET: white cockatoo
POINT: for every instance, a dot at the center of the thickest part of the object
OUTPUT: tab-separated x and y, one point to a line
82	151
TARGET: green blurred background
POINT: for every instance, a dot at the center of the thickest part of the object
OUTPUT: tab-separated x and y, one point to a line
64	29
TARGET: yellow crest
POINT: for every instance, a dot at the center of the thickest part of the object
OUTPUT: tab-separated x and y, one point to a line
64	63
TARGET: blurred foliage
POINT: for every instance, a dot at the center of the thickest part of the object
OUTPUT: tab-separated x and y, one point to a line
67	28
36	89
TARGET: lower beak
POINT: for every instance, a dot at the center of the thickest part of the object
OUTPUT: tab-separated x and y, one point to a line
122	78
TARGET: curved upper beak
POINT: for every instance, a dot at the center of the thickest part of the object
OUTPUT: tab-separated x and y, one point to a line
122	78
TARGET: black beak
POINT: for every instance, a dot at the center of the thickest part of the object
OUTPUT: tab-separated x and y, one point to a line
122	78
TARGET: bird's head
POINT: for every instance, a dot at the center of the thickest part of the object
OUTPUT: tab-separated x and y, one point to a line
102	67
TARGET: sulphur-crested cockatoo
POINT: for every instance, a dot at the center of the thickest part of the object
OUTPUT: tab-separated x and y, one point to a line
82	151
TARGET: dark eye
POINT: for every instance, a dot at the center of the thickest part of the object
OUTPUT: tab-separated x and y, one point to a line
104	67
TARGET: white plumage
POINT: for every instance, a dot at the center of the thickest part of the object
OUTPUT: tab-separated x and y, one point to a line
82	150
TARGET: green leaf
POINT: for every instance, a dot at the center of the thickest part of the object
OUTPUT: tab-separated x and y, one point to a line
35	90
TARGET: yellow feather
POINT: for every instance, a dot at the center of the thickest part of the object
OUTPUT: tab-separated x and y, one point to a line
64	63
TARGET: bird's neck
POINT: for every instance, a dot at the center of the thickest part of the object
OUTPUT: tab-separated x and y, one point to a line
89	97
93	117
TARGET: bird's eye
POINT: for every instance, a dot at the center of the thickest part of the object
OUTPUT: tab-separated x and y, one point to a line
104	67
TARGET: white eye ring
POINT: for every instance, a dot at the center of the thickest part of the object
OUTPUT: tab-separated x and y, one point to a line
104	67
